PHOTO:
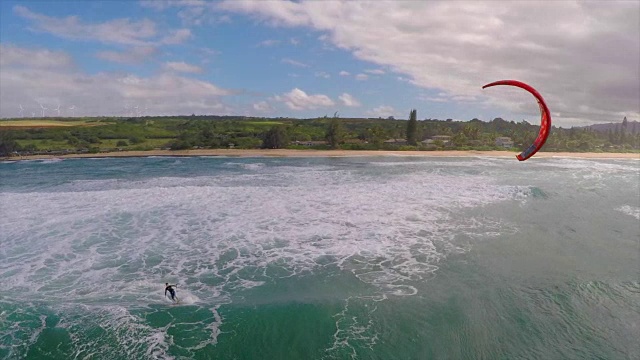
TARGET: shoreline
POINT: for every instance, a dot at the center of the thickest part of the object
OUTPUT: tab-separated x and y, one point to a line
325	153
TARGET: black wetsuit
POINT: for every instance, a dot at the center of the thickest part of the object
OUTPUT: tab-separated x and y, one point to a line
171	292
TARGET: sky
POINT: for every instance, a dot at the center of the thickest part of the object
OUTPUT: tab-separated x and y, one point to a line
308	59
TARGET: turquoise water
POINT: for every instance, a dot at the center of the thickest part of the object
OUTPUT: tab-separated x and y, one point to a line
320	258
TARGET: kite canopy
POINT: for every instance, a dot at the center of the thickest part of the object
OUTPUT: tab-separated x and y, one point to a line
545	120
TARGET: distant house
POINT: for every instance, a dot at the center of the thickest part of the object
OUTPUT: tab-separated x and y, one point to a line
311	143
504	141
396	141
446	139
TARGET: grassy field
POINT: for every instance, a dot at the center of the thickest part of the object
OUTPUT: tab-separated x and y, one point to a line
42	123
54	145
263	123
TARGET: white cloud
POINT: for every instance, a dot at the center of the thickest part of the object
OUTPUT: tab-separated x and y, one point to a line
297	99
165	85
263	107
464	98
208	52
344	73
28	83
382	111
322	74
269	42
177	37
133	55
278	13
165	4
192	16
224	19
294	62
349	100
362	77
36	58
294	41
190	12
584	59
446	98
181	66
118	31
375	71
433	99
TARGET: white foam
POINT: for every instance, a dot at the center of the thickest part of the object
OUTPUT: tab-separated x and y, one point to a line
630	210
187	298
130	332
354	329
101	242
51	161
353	218
247	166
619	165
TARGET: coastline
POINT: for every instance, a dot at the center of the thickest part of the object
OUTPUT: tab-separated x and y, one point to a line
325	153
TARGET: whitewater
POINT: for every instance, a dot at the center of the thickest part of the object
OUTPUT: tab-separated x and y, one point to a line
320	258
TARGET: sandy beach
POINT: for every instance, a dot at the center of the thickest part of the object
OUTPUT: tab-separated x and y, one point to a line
329	153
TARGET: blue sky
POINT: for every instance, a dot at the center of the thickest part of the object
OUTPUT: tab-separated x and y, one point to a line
311	58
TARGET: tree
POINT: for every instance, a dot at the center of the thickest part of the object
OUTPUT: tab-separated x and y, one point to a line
335	133
181	145
611	136
459	139
471	131
412	128
275	138
377	135
135	140
185	140
7	144
72	140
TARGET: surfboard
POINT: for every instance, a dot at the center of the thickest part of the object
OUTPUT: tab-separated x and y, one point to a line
174	301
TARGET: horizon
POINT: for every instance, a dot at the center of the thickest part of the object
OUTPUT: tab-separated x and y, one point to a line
267	118
298	59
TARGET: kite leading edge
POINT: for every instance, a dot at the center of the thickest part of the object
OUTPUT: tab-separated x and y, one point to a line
545	121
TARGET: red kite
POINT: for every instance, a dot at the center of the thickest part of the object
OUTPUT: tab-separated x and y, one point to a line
545	121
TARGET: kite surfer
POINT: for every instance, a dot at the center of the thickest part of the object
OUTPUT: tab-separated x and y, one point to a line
171	291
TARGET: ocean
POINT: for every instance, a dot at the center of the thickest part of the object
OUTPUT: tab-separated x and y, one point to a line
320	258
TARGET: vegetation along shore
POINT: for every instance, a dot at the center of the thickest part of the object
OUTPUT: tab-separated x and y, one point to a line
326	136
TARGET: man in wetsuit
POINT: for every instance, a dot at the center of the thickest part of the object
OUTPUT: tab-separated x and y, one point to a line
171	291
